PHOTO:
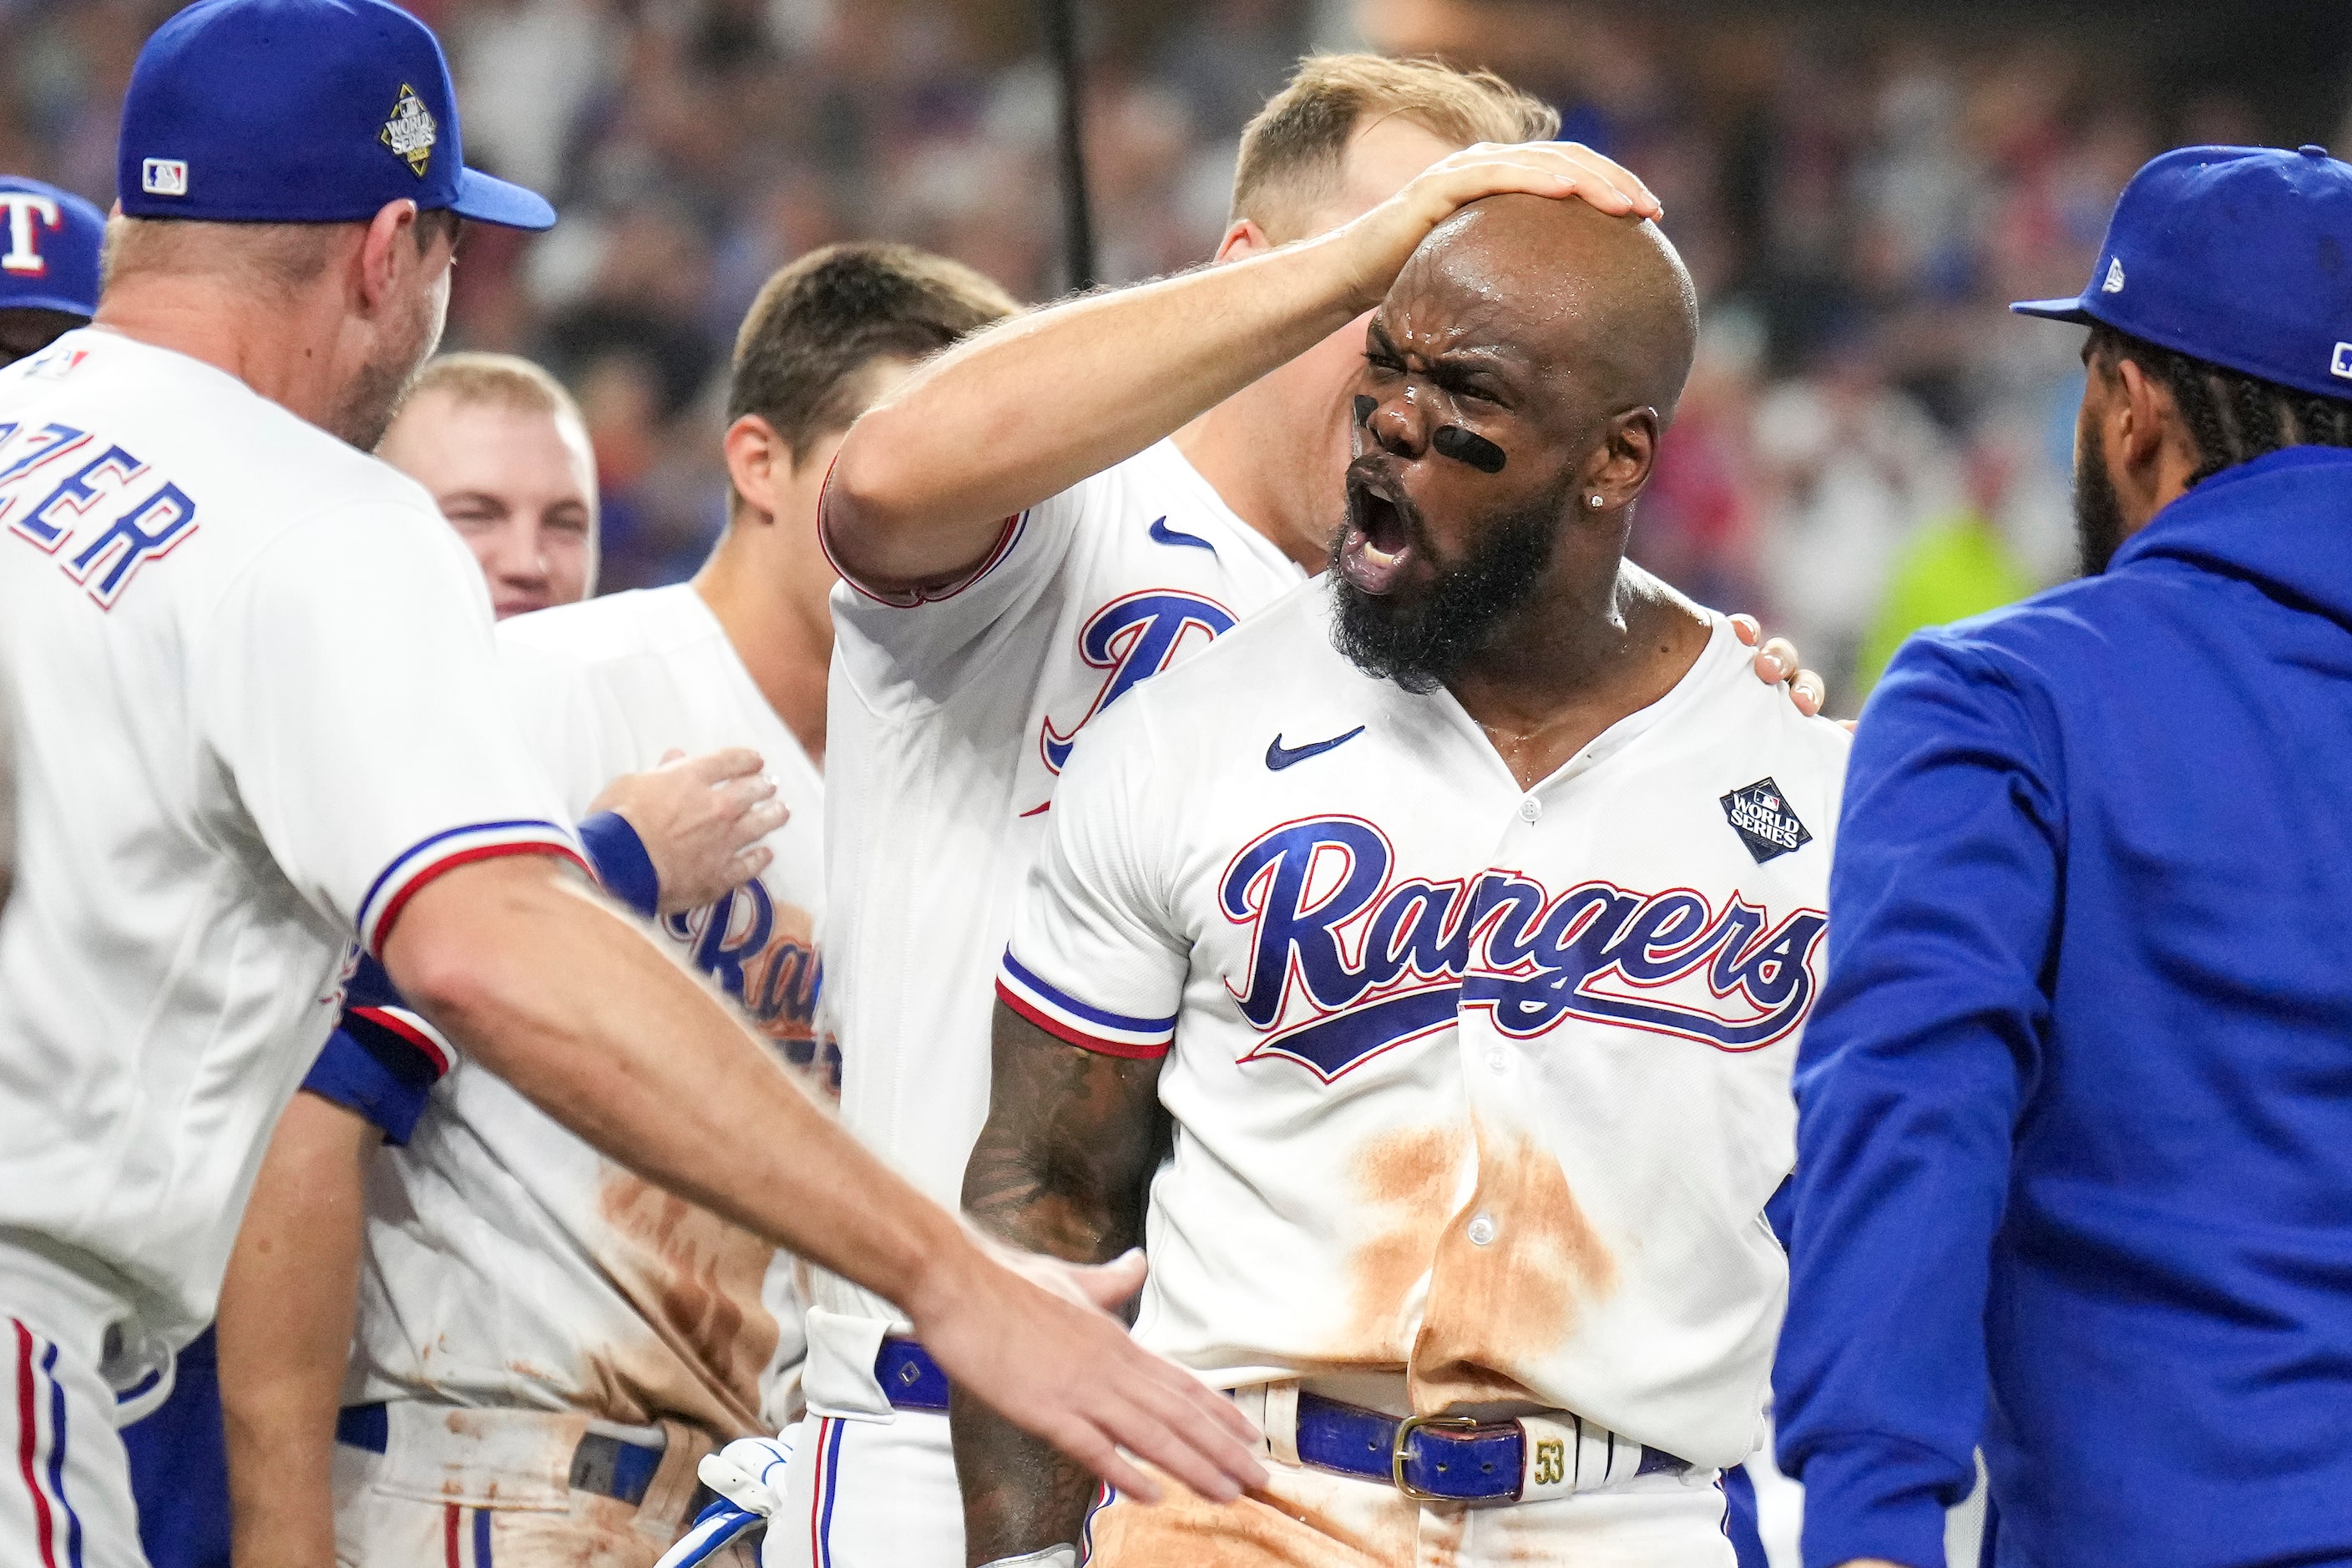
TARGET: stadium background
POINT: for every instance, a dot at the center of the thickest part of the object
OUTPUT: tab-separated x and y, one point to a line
1868	442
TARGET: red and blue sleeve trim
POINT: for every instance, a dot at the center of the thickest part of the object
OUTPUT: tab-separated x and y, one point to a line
910	598
445	851
1079	1022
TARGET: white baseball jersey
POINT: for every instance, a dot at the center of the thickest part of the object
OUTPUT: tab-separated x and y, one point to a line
1485	1083
258	695
509	1263
950	720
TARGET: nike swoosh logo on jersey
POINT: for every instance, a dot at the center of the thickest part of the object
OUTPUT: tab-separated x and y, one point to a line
1163	534
1280	756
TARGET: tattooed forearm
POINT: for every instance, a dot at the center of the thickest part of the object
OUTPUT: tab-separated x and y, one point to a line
1062	1166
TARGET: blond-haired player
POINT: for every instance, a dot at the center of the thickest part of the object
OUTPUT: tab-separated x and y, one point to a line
504	450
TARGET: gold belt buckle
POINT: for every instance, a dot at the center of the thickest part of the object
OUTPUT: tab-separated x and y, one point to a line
1405	1429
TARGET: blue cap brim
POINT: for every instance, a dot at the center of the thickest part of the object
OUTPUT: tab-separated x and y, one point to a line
2053	310
483	198
57	302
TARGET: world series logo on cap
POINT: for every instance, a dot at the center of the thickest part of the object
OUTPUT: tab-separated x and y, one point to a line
411	132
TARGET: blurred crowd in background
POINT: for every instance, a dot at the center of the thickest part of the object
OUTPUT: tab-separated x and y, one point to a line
1869	442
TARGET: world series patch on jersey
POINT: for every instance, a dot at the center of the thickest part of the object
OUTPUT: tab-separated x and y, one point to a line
1486	1084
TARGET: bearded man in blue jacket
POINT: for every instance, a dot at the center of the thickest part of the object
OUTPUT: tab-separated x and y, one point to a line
2074	1148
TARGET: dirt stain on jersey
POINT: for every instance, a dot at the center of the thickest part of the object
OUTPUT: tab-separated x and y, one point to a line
696	1279
1495	1308
1407	1180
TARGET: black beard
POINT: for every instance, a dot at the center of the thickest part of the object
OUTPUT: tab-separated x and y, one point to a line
2099	516
1420	639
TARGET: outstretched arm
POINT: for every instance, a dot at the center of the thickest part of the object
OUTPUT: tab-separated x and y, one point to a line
1062	1167
535	978
922	486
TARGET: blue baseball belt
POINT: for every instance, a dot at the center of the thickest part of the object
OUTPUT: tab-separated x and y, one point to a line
1454	1458
1441	1459
604	1464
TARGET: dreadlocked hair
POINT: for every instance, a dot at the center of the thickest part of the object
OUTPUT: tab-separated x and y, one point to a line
2233	417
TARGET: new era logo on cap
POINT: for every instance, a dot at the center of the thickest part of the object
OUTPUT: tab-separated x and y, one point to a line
2273	311
164	176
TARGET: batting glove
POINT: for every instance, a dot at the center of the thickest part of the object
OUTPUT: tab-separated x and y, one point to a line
749	1477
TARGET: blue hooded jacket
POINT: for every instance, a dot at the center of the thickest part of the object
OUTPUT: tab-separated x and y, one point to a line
2074	1139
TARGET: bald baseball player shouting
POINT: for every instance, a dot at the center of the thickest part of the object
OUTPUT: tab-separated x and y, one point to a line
1034	526
265	723
1421	969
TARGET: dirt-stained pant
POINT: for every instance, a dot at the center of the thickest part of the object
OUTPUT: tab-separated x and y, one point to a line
1313	1518
490	1490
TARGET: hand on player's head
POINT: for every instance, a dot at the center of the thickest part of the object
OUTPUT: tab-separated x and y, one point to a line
1380	242
1033	1338
701	819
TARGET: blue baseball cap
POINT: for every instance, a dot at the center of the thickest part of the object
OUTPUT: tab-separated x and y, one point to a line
299	112
49	241
2238	256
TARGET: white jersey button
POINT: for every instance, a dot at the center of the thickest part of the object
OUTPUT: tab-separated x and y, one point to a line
1482	1230
1499	1059
1530	808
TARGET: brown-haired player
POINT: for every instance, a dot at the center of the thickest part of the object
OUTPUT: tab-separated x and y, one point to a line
1024	534
545	1346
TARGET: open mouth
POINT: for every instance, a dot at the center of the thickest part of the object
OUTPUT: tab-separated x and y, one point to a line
1378	546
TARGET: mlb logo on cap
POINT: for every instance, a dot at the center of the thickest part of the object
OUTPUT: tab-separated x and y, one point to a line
300	112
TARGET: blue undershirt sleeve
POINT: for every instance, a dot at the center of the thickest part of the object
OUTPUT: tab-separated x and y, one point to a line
1942	923
621	861
383	1059
383	1080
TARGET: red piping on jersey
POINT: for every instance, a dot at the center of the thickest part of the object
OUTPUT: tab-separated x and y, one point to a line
910	598
451	862
1071	1034
28	1442
385	1018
